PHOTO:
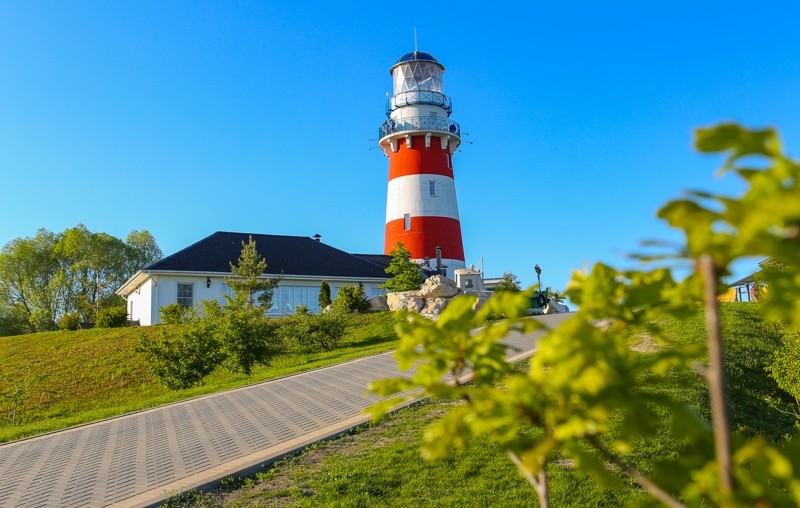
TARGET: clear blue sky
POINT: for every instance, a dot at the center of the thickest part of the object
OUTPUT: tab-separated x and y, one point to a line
184	118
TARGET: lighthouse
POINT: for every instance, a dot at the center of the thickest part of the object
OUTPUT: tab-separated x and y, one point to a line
420	139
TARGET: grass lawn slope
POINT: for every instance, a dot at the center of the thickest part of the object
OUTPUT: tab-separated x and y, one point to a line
381	466
53	380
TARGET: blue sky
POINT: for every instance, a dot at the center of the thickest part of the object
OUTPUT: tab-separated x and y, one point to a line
184	118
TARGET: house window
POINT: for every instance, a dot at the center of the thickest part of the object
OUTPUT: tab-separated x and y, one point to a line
432	187
186	294
407	222
285	299
467	283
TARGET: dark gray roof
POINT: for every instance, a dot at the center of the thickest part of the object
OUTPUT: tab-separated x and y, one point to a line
379	259
288	255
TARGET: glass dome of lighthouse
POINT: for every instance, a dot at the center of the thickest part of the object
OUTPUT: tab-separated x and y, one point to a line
417	71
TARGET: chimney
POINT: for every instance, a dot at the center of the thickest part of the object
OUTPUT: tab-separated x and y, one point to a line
317	237
438	259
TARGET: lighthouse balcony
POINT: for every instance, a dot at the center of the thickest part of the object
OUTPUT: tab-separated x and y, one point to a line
419	124
419	97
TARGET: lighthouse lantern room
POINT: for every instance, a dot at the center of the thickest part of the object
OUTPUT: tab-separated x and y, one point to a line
420	139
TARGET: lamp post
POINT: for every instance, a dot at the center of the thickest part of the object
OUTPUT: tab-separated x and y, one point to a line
538	275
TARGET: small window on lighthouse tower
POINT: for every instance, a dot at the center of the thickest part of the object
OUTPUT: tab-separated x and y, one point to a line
433	187
407	222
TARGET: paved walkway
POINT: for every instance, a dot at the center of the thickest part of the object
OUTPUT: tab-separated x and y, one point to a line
143	458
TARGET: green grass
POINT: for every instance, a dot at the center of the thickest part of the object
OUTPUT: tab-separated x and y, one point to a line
381	466
59	379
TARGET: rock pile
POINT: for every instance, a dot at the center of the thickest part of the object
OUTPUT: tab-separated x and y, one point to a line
436	293
430	299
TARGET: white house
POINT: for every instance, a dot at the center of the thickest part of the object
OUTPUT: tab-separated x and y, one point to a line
198	273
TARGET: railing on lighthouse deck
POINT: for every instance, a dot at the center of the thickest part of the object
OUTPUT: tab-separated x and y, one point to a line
419	123
419	97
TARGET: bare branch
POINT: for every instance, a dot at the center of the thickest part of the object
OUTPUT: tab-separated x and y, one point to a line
716	374
636	476
538	482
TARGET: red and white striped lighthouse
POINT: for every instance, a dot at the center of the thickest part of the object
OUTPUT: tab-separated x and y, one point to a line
420	139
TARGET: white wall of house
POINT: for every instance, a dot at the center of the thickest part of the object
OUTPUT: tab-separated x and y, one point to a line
145	302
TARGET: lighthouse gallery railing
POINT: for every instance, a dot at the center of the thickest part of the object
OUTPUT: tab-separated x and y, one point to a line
419	97
419	123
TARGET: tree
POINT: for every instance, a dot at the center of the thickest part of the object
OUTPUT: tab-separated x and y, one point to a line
405	273
591	396
509	282
30	283
54	274
247	276
324	295
350	299
142	250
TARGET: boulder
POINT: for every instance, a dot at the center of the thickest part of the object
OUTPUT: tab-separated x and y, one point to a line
406	300
378	303
438	286
327	309
555	308
483	296
434	306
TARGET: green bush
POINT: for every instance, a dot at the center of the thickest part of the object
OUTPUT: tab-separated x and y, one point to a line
243	334
350	299
313	332
175	314
301	309
324	295
236	335
70	321
112	317
785	367
182	358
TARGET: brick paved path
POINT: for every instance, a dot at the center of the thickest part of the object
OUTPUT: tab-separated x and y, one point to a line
143	458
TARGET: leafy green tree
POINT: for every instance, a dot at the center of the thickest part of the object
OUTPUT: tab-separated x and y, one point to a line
247	278
584	380
350	299
405	273
53	274
324	295
30	283
142	251
509	282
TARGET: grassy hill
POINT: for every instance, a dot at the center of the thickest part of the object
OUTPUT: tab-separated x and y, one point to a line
344	473
53	380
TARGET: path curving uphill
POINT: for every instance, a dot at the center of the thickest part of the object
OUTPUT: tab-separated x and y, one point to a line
143	458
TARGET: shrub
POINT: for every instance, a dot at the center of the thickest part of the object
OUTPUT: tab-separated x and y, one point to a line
70	321
313	332
112	317
350	299
244	334
175	314
182	358
301	309
785	367
324	295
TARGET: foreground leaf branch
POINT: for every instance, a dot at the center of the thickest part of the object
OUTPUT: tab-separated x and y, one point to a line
584	372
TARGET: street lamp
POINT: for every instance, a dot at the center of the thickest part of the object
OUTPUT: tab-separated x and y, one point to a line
538	275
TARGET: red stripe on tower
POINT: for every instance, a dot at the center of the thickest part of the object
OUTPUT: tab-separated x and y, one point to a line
420	139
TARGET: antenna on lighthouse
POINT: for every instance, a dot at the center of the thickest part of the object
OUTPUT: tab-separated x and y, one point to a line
416	49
